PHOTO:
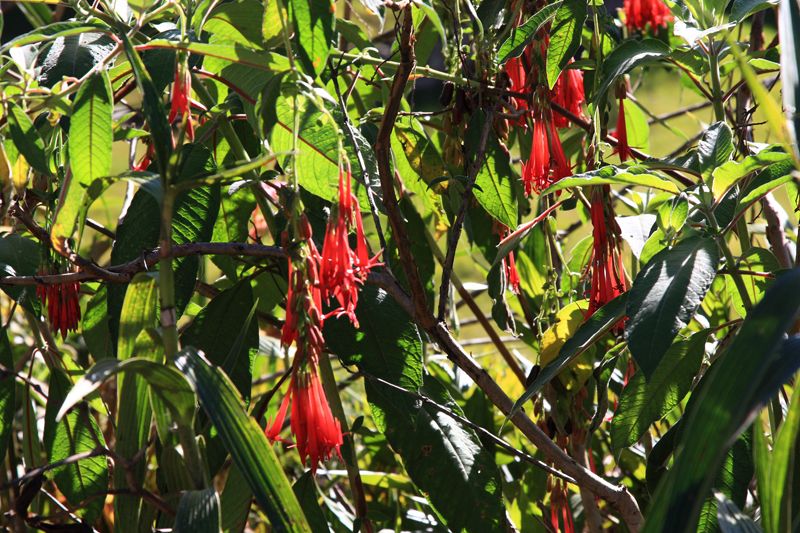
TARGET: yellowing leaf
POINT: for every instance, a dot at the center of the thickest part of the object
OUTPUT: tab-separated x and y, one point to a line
568	320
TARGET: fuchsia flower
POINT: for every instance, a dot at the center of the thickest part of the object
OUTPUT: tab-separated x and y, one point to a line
607	269
640	13
181	98
64	308
317	433
342	269
568	93
623	148
547	163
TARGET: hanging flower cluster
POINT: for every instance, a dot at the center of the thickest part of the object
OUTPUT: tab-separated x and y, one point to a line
341	268
63	307
317	433
640	13
547	162
608	275
314	278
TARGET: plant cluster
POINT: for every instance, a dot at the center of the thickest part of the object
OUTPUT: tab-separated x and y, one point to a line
289	317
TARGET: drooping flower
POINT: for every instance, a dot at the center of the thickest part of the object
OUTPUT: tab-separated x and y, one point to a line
623	148
342	269
63	307
513	275
144	162
568	93
547	163
608	277
519	76
181	97
317	433
640	13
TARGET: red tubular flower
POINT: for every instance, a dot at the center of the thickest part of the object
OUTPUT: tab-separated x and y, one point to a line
342	269
513	275
63	307
181	95
607	269
623	149
144	162
317	433
314	427
568	93
640	13
518	74
547	163
536	173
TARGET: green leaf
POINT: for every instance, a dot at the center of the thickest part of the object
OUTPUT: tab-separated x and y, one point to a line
313	22
67	436
521	36
19	256
685	163
643	403
765	182
632	175
72	56
306	491
90	135
90	141
239	22
387	345
664	297
228	52
728	174
733	481
198	512
165	382
590	331
235	501
140	7
714	149
318	162
152	107
775	506
744	8
134	413
439	455
267	104
672	215
194	217
757	260
565	37
8	388
245	440
27	139
94	326
214	329
626	57
494	188
723	407
51	32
